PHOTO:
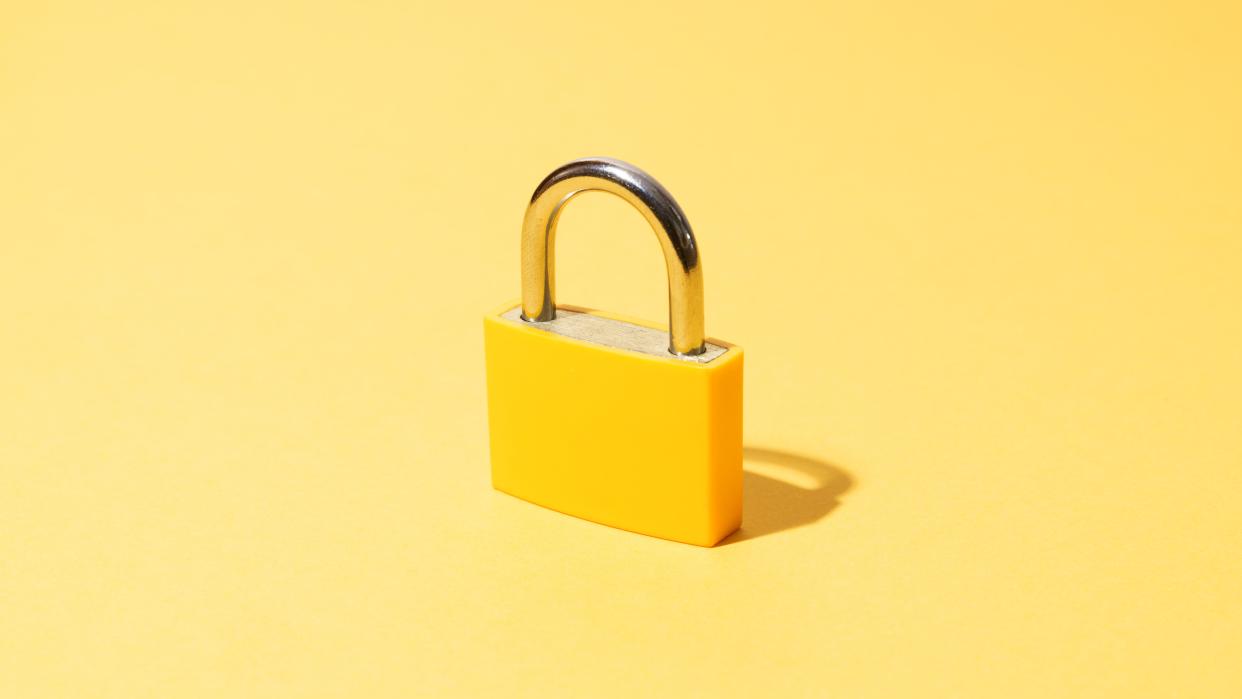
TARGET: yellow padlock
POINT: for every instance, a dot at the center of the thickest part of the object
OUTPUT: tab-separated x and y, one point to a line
607	418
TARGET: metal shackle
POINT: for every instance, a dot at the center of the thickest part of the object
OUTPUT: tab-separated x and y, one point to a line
681	253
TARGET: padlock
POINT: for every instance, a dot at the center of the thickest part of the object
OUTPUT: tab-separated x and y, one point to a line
607	418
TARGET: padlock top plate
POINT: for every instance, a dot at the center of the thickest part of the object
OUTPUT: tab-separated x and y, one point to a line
598	329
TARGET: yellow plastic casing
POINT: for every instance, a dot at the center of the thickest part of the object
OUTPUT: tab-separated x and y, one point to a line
634	441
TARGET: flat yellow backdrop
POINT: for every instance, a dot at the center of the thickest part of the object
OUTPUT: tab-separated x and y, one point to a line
984	259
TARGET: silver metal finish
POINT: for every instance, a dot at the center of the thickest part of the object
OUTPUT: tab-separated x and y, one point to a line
617	334
681	253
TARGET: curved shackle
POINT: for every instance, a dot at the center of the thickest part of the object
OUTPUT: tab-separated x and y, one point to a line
681	253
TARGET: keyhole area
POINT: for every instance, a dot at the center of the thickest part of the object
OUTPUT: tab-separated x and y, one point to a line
608	258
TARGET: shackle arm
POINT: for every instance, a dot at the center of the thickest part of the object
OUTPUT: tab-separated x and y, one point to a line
681	253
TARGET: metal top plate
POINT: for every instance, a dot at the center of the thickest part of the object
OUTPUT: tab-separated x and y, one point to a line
617	334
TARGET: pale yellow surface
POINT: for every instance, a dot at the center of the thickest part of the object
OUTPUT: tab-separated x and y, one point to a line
984	259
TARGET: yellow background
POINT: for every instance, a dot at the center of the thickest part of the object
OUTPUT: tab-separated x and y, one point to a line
984	260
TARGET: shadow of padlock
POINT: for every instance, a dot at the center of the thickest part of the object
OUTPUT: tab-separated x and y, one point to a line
786	491
607	418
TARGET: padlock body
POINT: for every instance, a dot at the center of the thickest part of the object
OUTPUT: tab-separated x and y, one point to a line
651	444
